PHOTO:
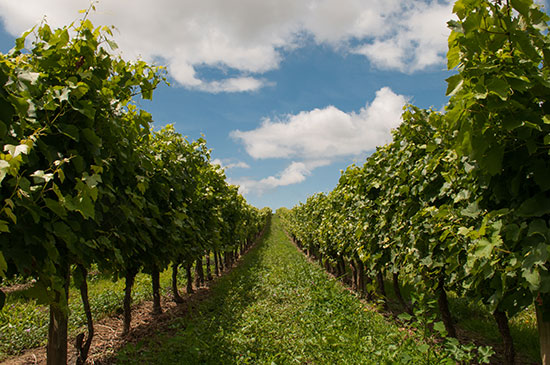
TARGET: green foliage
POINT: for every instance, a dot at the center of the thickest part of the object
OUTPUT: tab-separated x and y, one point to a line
500	111
457	201
84	179
64	127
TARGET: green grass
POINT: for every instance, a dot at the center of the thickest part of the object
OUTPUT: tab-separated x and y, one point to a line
24	324
277	308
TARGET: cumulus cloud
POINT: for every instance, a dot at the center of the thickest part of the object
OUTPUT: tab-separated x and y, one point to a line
247	37
318	137
295	173
226	164
326	133
239	84
419	39
334	21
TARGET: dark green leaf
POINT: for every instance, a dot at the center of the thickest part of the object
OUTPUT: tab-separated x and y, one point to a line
20	104
3	265
78	163
541	174
86	107
499	87
538	227
493	160
79	90
39	292
512	232
522	6
526	45
511	123
69	130
64	232
536	206
91	137
6	114
56	207
85	206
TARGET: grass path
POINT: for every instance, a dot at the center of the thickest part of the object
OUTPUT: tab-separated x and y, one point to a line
277	307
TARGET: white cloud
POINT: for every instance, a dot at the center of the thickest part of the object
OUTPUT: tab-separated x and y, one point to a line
334	21
226	164
247	36
319	137
217	161
232	85
419	39
295	173
326	133
387	54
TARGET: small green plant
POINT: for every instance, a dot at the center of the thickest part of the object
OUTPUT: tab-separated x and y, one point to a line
438	347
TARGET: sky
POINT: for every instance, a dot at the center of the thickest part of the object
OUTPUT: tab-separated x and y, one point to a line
287	93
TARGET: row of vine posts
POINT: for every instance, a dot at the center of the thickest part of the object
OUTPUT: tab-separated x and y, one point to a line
459	200
85	180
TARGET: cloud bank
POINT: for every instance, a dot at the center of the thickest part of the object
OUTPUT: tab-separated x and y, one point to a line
318	137
250	37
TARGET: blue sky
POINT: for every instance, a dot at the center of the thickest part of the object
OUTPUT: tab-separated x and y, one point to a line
286	93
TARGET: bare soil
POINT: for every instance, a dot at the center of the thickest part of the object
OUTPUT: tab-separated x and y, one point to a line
17	287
